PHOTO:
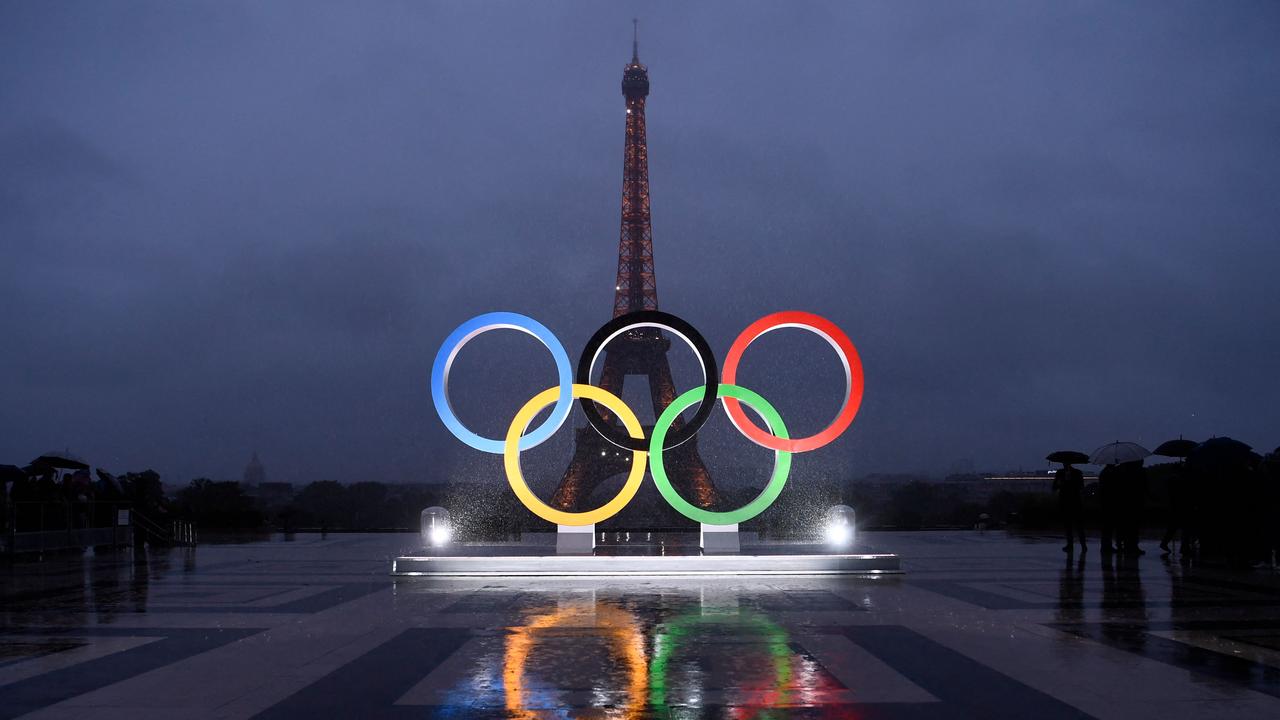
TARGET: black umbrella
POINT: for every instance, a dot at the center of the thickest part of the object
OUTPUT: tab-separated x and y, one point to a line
11	473
1068	457
60	461
1222	452
1176	448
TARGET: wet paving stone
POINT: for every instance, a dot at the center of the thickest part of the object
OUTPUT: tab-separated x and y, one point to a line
981	625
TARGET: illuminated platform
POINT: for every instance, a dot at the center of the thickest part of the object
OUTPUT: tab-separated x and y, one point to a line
551	565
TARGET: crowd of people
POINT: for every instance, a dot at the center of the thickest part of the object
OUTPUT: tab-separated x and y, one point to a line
43	497
1223	506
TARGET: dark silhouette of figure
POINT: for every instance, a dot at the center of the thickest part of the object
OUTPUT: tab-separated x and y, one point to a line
1196	512
1254	526
1108	506
1232	497
1269	507
1179	500
1132	489
1068	482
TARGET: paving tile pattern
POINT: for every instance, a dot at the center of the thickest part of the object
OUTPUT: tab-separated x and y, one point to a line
982	625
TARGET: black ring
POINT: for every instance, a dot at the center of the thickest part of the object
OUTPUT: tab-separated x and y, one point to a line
665	321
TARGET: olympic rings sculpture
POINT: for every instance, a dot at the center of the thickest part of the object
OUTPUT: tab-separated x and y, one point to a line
648	451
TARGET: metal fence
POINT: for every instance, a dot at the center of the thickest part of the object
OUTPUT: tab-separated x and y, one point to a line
47	526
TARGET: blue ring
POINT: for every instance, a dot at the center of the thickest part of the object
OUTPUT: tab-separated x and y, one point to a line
484	323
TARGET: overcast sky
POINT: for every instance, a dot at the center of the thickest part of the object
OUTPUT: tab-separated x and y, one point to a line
230	226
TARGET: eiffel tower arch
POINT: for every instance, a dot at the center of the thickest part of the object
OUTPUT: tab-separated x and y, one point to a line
640	352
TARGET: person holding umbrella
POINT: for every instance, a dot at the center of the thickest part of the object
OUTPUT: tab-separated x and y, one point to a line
9	474
1179	501
1133	498
1068	483
1117	495
1230	500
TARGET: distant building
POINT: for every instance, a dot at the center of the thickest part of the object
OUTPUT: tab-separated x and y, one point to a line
254	473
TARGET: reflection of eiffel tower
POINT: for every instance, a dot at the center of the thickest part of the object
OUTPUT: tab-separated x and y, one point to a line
642	351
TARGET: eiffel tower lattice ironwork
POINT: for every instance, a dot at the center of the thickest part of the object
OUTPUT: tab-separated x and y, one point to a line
642	351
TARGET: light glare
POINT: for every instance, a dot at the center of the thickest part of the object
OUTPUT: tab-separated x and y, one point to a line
439	535
839	533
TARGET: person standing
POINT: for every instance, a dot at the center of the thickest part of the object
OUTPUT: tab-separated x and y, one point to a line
1269	471
1178	501
1108	500
1068	482
1133	498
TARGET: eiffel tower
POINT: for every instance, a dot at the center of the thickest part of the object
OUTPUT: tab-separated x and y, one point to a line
642	351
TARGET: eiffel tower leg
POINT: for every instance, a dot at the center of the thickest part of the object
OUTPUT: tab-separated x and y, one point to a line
611	379
689	475
594	461
684	466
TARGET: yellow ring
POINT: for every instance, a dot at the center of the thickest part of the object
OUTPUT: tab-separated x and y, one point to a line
511	457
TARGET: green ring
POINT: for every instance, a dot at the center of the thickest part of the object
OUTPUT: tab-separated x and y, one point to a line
781	462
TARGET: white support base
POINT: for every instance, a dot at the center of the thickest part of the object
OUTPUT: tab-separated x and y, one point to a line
642	565
717	539
575	539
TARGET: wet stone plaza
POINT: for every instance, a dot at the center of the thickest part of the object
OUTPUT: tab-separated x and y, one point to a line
980	625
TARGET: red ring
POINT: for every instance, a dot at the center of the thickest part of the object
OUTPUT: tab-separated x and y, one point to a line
848	356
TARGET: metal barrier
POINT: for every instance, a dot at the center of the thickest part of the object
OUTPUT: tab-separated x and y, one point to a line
52	525
179	532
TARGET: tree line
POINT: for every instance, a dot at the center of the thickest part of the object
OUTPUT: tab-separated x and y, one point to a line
323	504
490	511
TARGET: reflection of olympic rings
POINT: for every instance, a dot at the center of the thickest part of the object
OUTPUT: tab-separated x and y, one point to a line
619	627
667	433
669	635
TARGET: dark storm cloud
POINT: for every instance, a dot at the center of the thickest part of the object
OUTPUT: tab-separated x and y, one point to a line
230	226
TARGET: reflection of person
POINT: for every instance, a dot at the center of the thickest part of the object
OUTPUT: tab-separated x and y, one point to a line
1068	482
1071	591
1124	603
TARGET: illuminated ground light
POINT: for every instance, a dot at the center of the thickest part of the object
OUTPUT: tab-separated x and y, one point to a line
436	528
839	527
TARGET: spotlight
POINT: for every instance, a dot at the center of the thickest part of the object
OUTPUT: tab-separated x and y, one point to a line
839	534
439	535
840	526
436	528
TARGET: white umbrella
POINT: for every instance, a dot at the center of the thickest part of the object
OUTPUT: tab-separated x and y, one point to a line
1118	452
